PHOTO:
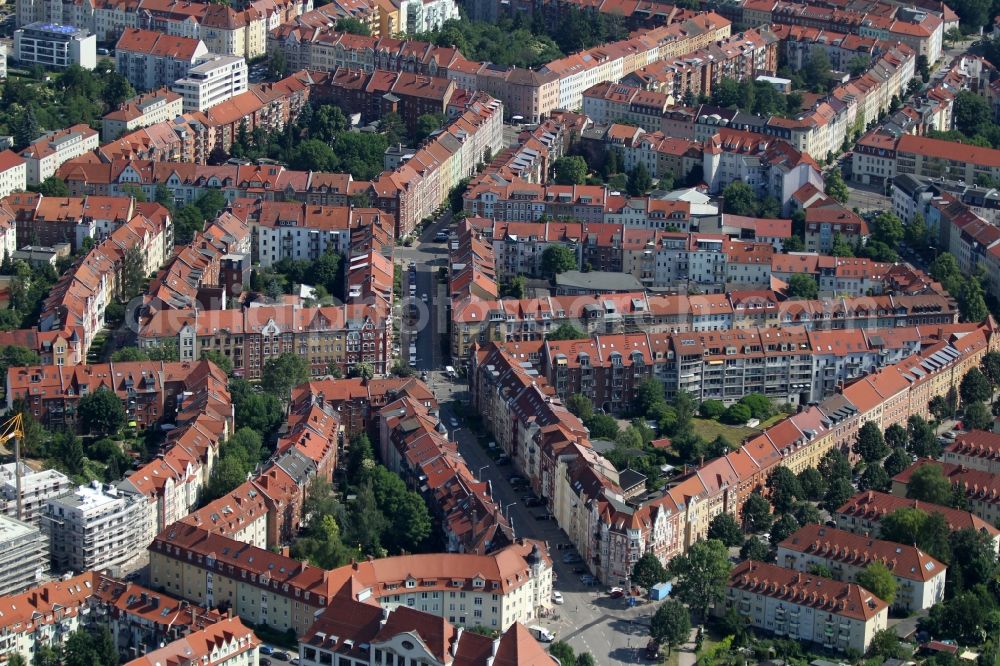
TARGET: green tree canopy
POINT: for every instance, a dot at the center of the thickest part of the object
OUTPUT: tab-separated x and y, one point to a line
566	331
353	26
725	528
701	575
975	387
757	513
671	624
282	373
877	579
739	199
803	285
929	484
835	186
648	571
570	170
101	412
870	443
558	259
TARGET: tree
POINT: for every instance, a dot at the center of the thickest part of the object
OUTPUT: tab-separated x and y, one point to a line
821	570
929	484
570	170
834	465
602	426
836	187
970	112
812	483
922	440
739	199
360	456
353	26
566	331
79	650
725	528
973	561
129	354
806	513
215	356
785	489
737	414
701	575
975	387
427	124
977	416
711	409
639	180
875	478
70	453
53	186
585	659
990	367
816	70
757	513
870	444
972	301
228	473
783	528
648	571
840	247
896	436
26	128
803	285
558	259
886	644
277	64
563	652
283	372
903	525
580	405
101	412
363	370
650	396
887	228
755	549
840	491
897	461
877	579
671	624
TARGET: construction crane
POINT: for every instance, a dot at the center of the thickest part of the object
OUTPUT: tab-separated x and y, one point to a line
13	430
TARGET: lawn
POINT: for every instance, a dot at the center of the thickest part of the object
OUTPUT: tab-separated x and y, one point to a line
709	429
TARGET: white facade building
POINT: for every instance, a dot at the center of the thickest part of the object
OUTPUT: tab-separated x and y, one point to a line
426	15
13	173
96	527
55	46
212	82
24	556
47	154
36	490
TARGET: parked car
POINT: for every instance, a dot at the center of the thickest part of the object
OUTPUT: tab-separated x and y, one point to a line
652	649
557	597
266	649
587	579
616	593
543	516
516	479
534	501
282	655
441	236
571	558
580	570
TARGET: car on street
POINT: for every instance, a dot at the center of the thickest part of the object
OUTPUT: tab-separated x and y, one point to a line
516	479
264	662
266	649
579	570
441	236
453	421
282	655
423	297
557	597
534	501
587	579
951	434
571	558
616	593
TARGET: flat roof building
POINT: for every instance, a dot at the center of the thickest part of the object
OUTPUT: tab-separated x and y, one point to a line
212	82
24	556
54	45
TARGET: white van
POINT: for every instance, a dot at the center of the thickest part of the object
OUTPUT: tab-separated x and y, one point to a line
450	372
542	634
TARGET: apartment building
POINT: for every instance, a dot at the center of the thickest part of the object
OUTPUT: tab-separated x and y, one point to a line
863	513
333	336
920	578
55	46
212	81
45	155
44	616
151	60
142	111
610	528
37	487
13	173
881	157
267	588
411	446
976	449
352	633
228	642
804	607
979	488
96	528
24	556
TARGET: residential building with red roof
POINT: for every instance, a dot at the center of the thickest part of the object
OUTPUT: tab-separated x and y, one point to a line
228	642
141	111
13	173
864	512
44	156
981	489
150	60
357	631
976	449
920	579
804	607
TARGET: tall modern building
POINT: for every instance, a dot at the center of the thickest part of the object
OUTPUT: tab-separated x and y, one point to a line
24	556
56	46
95	528
212	81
